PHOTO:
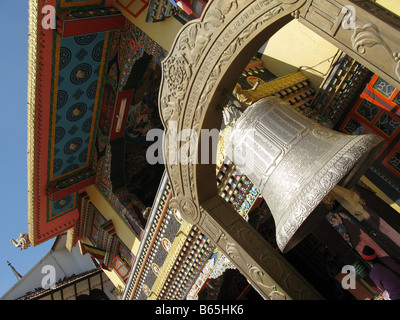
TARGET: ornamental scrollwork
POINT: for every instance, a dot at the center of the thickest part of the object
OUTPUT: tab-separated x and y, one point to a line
370	36
201	54
193	41
186	207
255	273
215	17
258	276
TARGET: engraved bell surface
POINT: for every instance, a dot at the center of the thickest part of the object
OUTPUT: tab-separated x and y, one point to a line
295	163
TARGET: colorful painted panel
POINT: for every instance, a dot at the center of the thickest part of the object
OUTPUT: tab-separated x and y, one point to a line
128	206
61	207
368	110
126	48
134	42
159	10
133	7
387	124
107	110
377	112
384	88
383	94
393	162
353	127
78	67
89	20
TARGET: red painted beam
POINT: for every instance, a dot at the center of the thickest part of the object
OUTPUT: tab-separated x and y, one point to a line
55	194
48	230
72	28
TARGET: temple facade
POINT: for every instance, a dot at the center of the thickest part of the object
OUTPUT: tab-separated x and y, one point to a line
63	274
108	77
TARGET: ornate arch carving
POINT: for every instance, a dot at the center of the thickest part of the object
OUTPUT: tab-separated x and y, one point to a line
206	58
205	61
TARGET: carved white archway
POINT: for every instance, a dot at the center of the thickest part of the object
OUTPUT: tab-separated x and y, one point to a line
204	63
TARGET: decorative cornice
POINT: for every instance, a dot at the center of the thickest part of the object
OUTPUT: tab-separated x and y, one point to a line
172	257
362	29
71	238
40	96
40	51
157	214
188	266
32	68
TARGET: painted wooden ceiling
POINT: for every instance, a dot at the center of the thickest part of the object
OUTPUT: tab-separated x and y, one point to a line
79	62
64	95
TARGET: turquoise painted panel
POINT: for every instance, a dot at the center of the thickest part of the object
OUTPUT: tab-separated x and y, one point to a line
79	67
62	206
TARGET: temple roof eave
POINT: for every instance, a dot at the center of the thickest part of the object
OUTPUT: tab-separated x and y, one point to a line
43	66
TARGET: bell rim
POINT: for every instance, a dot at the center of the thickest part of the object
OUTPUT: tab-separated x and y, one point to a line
285	233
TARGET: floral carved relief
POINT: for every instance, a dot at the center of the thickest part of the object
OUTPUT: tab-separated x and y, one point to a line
369	36
361	27
260	278
202	53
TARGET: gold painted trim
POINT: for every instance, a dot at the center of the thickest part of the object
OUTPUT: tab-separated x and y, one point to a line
55	95
221	148
170	260
268	88
70	239
31	114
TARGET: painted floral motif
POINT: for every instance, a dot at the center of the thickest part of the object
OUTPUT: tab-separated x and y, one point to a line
146	290
166	244
155	268
177	215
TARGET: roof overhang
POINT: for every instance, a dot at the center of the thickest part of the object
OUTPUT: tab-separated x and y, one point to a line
57	172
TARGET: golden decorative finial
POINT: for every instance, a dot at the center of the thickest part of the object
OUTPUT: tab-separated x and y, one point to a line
22	241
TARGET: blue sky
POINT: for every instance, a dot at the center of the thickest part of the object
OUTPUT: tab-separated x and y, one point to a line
13	143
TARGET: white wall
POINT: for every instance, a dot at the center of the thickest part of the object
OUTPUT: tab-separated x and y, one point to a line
296	46
65	263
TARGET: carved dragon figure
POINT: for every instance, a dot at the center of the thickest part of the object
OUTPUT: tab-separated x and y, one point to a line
22	241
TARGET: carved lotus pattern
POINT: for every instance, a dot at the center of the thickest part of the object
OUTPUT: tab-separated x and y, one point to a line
177	75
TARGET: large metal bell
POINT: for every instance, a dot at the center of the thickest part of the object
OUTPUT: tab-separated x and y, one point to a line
295	163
